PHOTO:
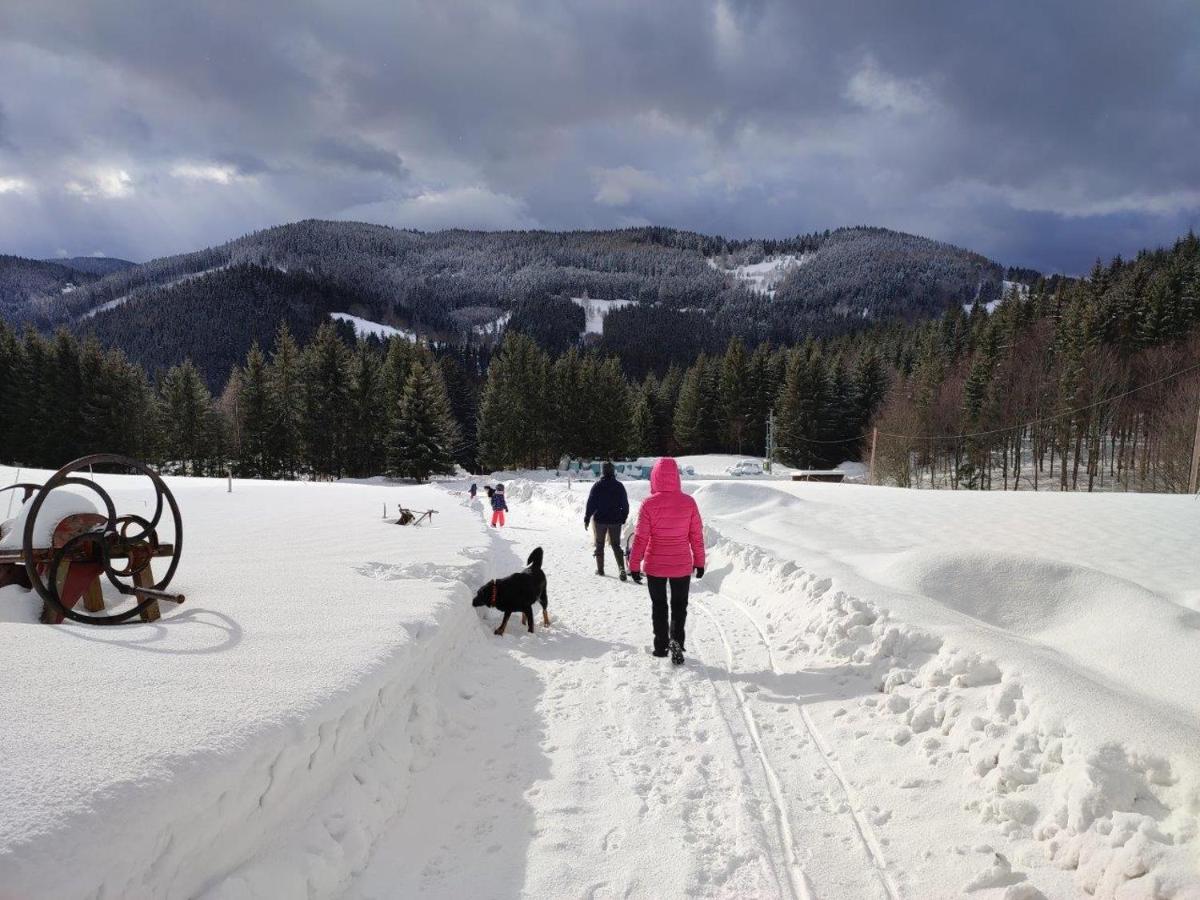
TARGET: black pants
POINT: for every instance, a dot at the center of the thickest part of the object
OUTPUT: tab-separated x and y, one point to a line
613	534
658	601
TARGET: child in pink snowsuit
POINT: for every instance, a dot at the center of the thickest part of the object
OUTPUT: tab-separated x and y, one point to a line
499	507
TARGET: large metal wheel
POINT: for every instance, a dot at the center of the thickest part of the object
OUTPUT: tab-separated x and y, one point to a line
108	539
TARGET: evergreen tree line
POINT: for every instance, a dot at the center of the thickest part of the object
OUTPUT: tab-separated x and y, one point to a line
1019	397
328	409
1075	386
535	408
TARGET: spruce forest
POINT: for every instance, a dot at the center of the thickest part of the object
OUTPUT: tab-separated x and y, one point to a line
1067	384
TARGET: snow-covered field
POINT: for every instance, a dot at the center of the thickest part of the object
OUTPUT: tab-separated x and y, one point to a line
365	327
595	311
888	694
764	277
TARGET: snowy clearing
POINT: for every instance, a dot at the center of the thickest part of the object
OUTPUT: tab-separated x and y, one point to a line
764	277
888	694
595	311
365	327
119	301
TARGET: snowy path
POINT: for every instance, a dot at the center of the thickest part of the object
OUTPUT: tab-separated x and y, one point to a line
573	764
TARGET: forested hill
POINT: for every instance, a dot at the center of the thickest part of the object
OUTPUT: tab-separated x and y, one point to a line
690	292
95	265
28	282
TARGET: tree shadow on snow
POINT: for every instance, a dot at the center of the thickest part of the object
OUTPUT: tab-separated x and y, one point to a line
795	688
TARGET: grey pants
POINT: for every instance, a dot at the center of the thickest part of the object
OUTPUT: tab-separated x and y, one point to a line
613	534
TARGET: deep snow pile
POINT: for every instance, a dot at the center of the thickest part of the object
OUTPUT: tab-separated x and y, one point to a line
252	741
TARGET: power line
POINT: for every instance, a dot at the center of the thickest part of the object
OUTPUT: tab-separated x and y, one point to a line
991	431
1068	412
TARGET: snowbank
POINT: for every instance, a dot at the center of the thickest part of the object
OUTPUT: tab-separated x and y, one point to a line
248	744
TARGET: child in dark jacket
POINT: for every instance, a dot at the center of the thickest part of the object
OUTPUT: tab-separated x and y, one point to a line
499	507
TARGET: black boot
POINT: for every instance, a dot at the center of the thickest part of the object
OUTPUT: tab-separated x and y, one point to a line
676	653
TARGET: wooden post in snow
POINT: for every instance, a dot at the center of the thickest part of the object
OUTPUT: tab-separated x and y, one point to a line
229	483
1194	481
874	440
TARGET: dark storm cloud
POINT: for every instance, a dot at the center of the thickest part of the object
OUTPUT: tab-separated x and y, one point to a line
356	153
1042	134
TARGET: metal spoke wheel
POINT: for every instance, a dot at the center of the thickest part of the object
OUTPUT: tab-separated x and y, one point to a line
93	544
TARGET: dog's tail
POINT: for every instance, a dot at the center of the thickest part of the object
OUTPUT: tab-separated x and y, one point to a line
535	558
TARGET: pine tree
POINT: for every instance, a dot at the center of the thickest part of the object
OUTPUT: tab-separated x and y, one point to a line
611	411
645	433
566	400
326	372
870	386
801	403
64	397
689	426
189	426
424	435
256	418
734	396
285	383
513	411
368	420
464	405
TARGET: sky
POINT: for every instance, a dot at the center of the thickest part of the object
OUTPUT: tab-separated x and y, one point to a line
1041	134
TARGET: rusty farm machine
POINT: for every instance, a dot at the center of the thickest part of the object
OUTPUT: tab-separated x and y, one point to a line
64	563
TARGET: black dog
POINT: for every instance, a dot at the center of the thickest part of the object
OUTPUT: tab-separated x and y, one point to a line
517	593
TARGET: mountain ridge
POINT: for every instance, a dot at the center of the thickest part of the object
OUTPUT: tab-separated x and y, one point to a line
449	285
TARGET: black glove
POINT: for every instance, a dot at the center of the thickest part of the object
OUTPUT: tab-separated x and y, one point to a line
699	571
636	576
586	526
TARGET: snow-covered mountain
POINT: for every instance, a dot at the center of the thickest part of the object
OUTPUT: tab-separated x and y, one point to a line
210	305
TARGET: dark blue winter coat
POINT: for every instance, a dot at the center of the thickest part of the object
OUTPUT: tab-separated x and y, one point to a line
607	503
498	501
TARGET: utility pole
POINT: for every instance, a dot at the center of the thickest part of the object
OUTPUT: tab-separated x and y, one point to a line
1194	481
874	440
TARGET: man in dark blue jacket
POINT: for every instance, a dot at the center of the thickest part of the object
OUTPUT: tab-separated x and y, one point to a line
607	510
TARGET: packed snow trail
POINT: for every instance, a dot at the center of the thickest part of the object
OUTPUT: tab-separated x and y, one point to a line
574	764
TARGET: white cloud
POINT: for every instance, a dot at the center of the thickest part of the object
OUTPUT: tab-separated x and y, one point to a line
11	185
463	207
211	172
726	33
873	89
619	186
101	182
1074	196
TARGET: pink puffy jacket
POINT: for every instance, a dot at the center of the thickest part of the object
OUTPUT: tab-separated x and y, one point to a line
669	536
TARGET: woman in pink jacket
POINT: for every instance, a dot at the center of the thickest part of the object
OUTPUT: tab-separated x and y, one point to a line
668	546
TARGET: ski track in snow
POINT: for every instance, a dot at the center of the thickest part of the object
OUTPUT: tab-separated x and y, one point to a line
866	834
589	768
